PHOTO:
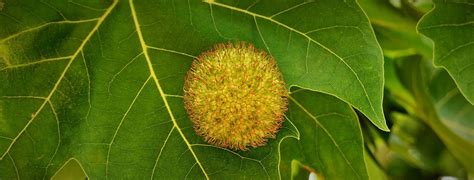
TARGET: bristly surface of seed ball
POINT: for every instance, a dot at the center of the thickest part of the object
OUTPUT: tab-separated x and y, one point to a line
235	96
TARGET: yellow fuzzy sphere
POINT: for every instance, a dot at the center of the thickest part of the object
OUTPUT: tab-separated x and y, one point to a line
235	96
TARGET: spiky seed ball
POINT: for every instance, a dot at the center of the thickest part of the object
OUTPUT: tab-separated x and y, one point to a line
235	96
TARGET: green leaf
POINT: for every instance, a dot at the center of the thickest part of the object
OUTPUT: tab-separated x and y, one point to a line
450	26
101	82
441	106
393	84
299	171
395	31
437	105
415	143
375	171
453	109
330	141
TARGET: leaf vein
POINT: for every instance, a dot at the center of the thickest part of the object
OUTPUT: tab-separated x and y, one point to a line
88	88
120	71
161	151
14	165
41	61
107	162
291	8
56	118
171	51
47	24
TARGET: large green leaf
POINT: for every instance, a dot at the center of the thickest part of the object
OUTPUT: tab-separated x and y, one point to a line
101	82
450	25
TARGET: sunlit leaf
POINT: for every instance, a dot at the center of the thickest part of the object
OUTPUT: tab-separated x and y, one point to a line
101	82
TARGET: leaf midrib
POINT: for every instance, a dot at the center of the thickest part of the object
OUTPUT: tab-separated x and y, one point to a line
162	94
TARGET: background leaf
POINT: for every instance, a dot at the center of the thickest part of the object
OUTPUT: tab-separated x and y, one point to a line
430	120
375	172
418	78
101	82
450	26
395	29
454	110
